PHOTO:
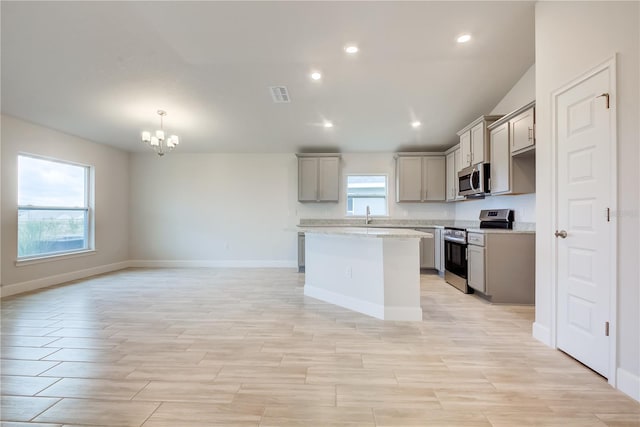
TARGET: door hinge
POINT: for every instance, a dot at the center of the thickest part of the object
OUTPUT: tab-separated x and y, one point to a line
608	215
606	329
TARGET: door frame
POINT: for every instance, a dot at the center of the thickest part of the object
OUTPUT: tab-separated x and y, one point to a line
610	64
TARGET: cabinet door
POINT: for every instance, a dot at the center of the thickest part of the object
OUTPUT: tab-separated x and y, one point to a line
458	160
475	266
300	251
500	159
439	249
409	179
427	250
465	149
452	176
477	144
522	130
307	179
434	185
329	179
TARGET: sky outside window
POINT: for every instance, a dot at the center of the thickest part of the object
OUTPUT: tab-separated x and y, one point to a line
49	183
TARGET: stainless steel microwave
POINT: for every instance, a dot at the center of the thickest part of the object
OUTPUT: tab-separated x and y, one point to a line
473	181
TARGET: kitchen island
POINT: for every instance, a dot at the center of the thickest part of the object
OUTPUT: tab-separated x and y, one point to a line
375	271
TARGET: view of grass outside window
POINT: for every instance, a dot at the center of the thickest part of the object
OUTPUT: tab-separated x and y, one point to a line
53	207
366	190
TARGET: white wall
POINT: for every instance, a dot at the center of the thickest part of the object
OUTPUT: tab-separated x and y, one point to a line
236	209
111	205
524	205
572	38
214	209
522	93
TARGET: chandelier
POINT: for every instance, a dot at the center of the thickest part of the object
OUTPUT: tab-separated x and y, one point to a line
158	142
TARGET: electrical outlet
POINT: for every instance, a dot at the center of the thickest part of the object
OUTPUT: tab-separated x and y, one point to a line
349	272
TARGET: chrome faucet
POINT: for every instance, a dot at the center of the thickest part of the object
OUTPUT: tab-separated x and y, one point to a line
367	220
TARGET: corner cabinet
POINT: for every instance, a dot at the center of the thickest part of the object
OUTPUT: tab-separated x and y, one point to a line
318	177
512	141
420	177
474	141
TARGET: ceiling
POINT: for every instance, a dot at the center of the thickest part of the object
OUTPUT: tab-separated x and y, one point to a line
100	70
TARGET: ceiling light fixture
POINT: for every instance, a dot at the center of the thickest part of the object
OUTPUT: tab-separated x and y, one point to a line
464	38
416	124
328	124
158	142
316	76
351	49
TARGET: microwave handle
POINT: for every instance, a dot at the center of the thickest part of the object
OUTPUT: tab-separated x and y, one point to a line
471	179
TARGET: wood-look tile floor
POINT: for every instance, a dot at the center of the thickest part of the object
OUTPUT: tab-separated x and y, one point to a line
238	347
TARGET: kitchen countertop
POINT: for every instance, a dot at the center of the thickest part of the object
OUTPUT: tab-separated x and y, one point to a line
499	231
368	232
471	226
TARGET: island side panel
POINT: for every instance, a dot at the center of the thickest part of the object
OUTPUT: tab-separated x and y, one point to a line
402	279
346	271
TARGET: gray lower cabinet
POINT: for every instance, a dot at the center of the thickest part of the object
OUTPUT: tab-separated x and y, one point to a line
501	266
300	252
428	249
475	268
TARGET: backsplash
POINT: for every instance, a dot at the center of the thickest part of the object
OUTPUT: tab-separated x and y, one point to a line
524	206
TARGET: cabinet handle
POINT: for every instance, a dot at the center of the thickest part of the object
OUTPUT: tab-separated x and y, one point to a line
530	133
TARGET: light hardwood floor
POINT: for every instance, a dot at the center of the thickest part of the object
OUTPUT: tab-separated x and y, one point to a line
199	347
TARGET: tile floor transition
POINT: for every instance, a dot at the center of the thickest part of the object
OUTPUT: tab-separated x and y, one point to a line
242	347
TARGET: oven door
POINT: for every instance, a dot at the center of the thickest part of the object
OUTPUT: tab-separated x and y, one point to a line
455	260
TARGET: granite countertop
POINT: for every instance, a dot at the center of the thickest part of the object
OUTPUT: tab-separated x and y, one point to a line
500	231
472	226
367	232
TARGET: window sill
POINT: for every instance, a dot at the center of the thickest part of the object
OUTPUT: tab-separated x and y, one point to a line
50	258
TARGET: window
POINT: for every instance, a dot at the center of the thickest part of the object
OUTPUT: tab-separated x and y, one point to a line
53	207
366	190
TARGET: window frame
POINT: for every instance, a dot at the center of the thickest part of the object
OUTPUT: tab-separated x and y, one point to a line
88	209
386	195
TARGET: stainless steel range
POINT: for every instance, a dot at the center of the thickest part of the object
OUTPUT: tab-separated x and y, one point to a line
455	258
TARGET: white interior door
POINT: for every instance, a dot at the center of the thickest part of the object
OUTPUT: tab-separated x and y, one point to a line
584	192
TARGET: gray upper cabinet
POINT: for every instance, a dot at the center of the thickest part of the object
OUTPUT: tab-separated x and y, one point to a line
500	159
420	178
454	164
474	138
318	177
522	130
513	172
452	175
409	179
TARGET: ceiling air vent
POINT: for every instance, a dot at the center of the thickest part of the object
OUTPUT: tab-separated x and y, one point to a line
280	94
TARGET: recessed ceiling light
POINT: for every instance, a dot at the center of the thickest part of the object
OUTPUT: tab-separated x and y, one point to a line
416	124
464	38
316	76
351	49
328	124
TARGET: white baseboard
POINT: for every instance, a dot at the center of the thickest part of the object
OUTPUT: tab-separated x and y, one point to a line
628	383
140	263
542	333
375	310
32	285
